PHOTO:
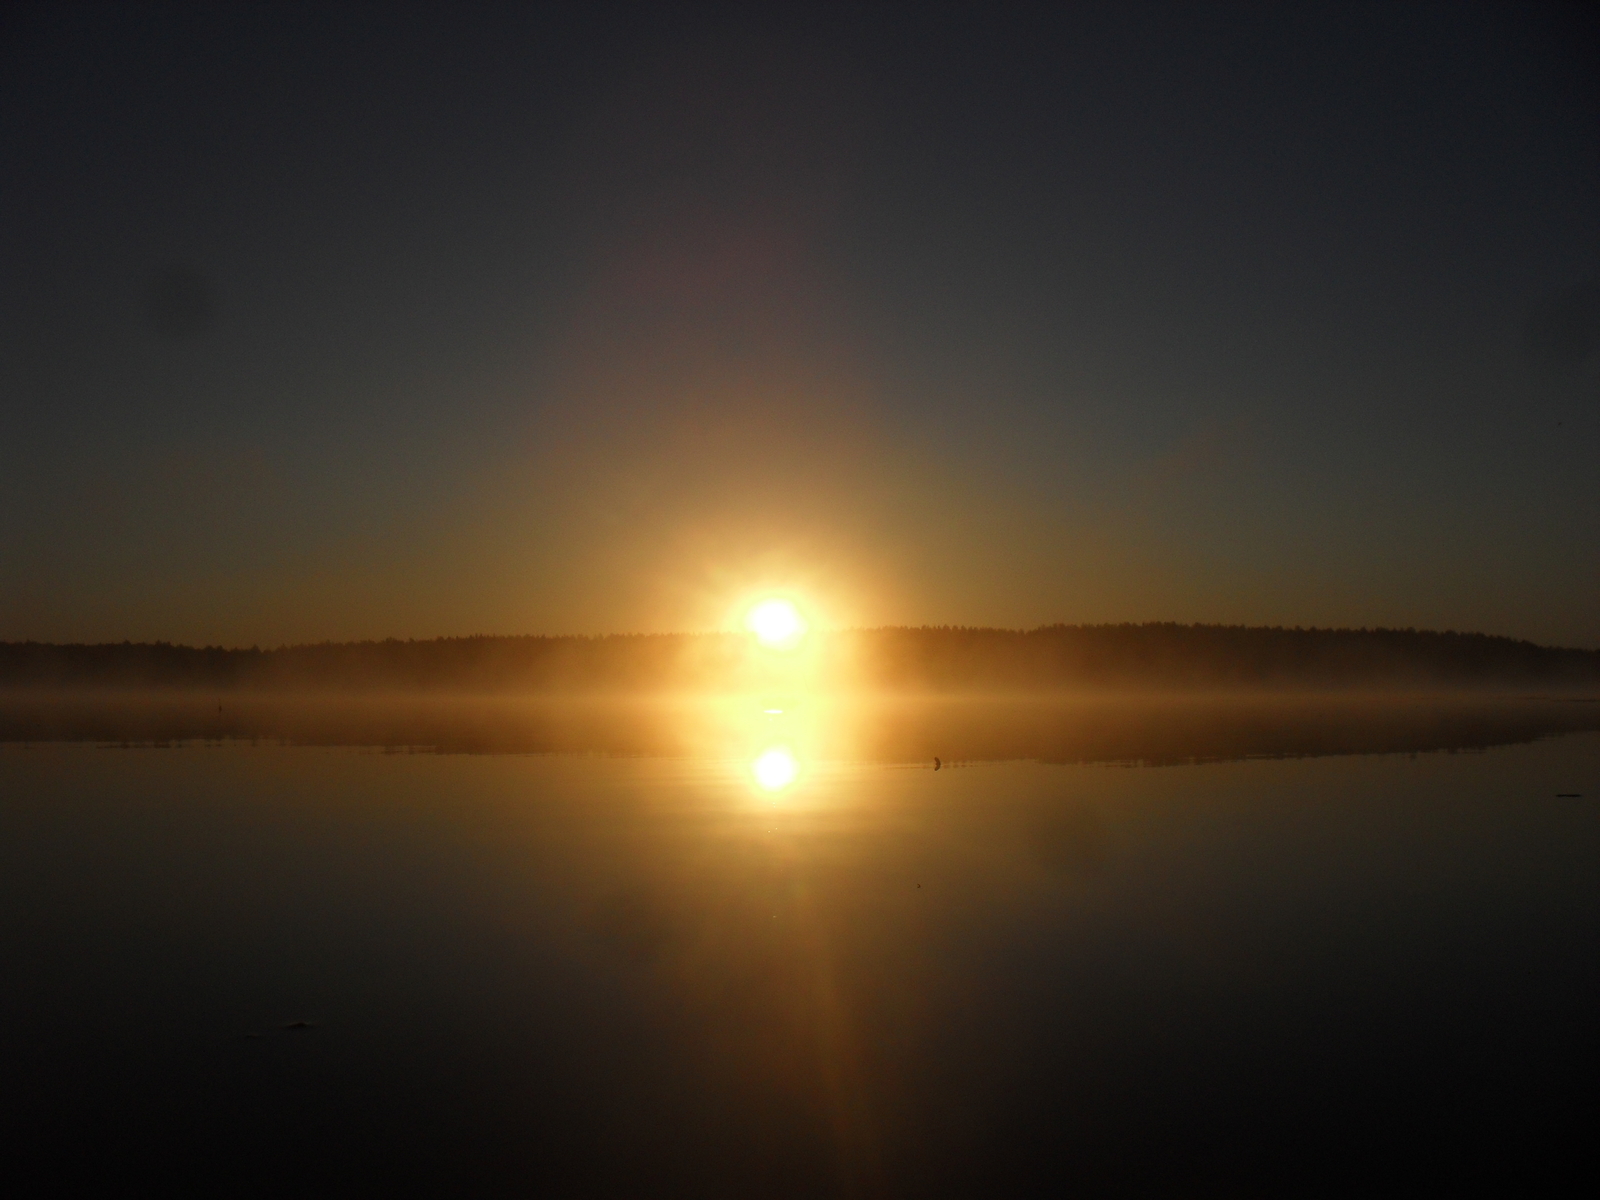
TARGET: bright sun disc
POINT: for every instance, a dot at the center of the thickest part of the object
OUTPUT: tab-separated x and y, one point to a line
776	623
775	768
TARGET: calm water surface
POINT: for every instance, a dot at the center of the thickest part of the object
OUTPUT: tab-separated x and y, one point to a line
654	967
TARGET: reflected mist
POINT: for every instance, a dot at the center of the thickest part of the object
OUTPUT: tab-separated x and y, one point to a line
1085	728
759	946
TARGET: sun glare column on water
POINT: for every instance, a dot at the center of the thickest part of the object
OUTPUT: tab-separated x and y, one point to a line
776	623
775	768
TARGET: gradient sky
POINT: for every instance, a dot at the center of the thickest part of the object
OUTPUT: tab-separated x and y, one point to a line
366	321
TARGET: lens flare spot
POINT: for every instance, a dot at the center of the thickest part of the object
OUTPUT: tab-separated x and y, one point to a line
776	622
775	768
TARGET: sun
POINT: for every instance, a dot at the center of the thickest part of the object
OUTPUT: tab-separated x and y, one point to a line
775	768
776	623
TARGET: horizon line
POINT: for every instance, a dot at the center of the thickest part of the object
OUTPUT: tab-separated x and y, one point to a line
853	629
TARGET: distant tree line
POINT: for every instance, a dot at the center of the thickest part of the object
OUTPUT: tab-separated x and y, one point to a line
1170	655
470	663
1167	656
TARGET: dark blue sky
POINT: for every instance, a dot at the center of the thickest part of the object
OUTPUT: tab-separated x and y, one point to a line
359	321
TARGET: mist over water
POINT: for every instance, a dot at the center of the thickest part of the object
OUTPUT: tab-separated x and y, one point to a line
759	945
1063	728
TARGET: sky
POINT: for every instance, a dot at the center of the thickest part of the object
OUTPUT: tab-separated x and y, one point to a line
364	321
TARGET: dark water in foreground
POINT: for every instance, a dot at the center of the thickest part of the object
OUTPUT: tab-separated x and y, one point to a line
727	951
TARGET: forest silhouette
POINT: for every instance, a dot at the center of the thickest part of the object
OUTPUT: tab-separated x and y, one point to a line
1157	656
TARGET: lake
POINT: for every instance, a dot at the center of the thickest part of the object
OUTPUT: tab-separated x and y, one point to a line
760	946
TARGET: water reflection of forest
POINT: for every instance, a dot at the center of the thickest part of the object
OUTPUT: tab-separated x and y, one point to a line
1134	729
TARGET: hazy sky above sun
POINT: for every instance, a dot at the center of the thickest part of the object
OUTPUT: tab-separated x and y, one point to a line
345	321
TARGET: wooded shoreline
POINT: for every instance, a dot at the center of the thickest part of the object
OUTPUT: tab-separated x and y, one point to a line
1056	657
